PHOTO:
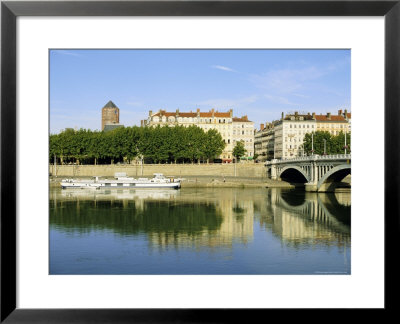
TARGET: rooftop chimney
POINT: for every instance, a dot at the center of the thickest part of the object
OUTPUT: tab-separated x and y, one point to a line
282	116
150	113
340	112
177	112
212	112
230	112
313	115
328	115
261	126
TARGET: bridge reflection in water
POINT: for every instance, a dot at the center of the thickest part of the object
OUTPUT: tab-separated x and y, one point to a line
298	217
205	218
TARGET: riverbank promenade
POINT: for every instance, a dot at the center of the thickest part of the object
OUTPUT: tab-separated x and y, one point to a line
248	170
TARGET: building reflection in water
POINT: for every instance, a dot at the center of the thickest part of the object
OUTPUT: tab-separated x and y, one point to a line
205	218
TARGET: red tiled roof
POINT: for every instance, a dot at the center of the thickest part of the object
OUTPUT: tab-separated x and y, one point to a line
192	114
333	118
187	114
241	119
222	114
164	113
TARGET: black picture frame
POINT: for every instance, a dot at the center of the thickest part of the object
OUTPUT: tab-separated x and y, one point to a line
10	10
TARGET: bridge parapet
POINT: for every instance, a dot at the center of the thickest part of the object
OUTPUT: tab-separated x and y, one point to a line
309	158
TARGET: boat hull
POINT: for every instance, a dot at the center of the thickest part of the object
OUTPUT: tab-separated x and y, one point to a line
80	185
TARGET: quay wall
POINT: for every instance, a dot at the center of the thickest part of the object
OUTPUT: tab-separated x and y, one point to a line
248	170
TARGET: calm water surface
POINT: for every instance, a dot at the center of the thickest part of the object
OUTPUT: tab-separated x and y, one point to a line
199	231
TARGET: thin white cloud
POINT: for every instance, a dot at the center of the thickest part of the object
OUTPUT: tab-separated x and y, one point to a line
287	80
300	95
223	102
223	68
69	53
280	100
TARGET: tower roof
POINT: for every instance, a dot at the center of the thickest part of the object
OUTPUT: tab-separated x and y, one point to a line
110	104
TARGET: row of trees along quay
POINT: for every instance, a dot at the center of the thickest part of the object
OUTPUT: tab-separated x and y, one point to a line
125	144
324	143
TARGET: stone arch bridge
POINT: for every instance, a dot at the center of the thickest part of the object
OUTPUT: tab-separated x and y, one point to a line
319	173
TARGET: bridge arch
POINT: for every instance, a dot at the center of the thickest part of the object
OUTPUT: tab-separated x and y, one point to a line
295	168
333	176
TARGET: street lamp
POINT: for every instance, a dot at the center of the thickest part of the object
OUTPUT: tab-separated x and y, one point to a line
312	143
345	143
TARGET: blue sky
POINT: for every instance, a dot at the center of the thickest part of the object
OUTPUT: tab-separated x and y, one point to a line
257	83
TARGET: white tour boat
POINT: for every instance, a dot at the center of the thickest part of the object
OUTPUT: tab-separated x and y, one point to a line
121	181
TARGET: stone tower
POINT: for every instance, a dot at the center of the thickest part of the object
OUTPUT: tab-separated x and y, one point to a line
109	114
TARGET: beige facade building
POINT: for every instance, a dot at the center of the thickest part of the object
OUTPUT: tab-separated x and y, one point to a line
224	122
286	136
243	130
334	124
289	134
264	142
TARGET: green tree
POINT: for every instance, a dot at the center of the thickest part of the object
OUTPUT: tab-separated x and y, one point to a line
334	144
179	141
67	145
195	142
239	150
339	143
213	144
95	149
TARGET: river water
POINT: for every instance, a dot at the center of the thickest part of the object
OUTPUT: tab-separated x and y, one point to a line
199	231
